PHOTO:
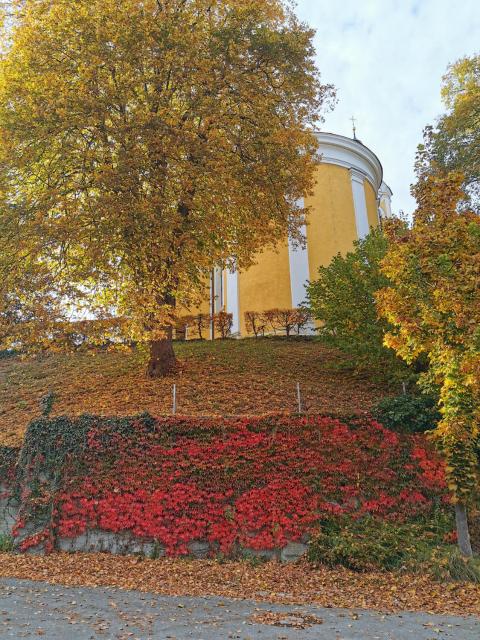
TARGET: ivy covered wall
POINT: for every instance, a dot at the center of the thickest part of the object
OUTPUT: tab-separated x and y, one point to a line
209	486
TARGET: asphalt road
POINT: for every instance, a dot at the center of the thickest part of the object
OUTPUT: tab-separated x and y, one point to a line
36	609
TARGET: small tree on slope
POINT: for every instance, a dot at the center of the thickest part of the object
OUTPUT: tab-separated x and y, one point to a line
343	299
433	304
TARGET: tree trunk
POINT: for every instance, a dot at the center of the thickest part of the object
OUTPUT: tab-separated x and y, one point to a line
162	356
463	533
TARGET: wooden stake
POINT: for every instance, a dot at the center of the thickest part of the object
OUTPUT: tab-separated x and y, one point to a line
174	408
299	398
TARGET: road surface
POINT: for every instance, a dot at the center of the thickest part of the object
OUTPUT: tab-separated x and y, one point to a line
36	609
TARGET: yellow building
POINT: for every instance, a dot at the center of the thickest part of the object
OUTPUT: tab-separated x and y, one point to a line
349	198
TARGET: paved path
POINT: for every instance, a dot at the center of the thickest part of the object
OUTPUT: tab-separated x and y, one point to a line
35	609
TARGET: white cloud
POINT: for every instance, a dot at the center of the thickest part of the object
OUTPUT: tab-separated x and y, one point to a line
387	58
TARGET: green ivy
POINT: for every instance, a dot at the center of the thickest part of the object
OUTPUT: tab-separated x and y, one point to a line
408	413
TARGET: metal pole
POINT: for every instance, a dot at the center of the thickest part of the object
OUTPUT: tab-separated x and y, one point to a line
299	398
404	387
174	399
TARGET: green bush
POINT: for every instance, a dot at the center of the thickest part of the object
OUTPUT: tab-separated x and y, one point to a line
6	543
464	569
370	543
447	564
7	353
408	413
342	299
360	545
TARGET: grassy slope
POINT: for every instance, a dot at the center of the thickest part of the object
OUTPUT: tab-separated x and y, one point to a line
229	377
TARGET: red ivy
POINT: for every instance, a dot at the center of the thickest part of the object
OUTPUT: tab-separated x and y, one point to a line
258	483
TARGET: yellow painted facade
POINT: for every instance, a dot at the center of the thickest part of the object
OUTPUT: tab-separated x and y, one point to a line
348	199
372	205
331	223
258	291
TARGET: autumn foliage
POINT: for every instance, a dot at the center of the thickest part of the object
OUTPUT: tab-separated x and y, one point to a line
433	305
145	143
234	482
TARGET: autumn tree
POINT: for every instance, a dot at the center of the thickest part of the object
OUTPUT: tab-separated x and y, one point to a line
433	305
143	143
453	143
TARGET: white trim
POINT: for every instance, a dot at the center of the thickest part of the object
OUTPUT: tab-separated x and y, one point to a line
359	203
218	289
217	304
385	200
352	154
233	305
385	190
299	267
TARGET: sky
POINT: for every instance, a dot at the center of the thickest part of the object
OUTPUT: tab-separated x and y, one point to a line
387	58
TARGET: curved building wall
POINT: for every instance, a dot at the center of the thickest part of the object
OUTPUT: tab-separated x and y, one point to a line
266	284
348	197
372	205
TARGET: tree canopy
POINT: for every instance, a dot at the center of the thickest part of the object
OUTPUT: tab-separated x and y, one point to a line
433	305
453	143
144	142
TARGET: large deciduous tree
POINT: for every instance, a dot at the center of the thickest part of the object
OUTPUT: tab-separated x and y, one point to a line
453	144
142	143
433	304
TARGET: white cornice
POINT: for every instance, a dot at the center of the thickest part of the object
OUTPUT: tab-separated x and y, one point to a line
385	190
352	154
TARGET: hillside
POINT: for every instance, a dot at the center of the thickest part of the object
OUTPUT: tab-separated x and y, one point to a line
250	376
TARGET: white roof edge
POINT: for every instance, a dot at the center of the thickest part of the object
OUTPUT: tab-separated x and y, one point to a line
385	190
353	154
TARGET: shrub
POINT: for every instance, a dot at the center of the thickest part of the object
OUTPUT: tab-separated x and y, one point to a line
255	323
464	569
287	320
6	543
223	323
342	298
302	318
8	353
201	322
370	543
408	413
360	545
445	565
283	320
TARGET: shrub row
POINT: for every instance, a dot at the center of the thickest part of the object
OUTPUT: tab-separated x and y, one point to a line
198	325
284	320
258	323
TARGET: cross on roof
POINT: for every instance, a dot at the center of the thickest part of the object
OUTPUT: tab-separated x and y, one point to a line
354	127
